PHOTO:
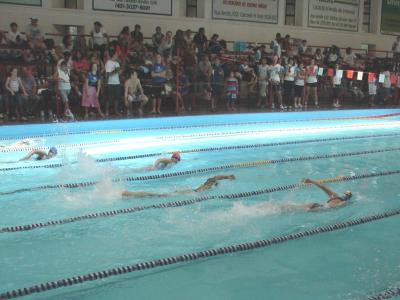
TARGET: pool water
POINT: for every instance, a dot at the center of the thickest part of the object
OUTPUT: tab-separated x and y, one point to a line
351	263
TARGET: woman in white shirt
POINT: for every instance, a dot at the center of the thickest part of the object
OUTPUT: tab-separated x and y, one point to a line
300	75
64	87
14	86
336	86
312	82
288	82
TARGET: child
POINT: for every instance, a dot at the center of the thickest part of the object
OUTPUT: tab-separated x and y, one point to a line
14	86
372	91
231	88
91	91
299	85
336	87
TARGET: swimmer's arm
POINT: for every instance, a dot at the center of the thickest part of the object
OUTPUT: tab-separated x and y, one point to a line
327	190
38	152
222	177
162	161
140	194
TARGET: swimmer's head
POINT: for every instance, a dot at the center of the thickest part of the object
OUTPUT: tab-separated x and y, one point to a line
347	195
232	177
176	156
53	151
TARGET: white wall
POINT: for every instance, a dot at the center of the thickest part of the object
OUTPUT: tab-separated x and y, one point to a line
229	30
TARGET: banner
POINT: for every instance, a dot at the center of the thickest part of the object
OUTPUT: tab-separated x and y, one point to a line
262	11
333	14
23	2
390	21
152	7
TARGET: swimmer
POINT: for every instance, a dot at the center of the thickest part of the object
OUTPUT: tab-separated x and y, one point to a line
334	199
41	155
19	144
162	163
210	182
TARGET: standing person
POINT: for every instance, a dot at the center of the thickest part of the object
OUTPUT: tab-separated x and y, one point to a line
166	44
200	41
312	82
14	86
288	82
30	86
124	39
64	87
232	91
336	87
157	37
204	72
396	49
263	71
113	84
134	93
91	91
158	79
276	71
217	79
300	76
14	37
372	87
34	35
137	35
99	37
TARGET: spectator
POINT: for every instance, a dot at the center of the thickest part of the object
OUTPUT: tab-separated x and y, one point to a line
179	43
16	102
182	91
300	76
396	49
14	37
64	87
134	94
95	59
45	95
312	82
349	57
372	87
100	38
336	86
232	91
30	86
287	46
137	35
66	45
318	57
200	41
263	71
91	91
113	88
159	75
124	39
288	83
157	37
188	37
333	56
276	72
34	35
246	73
302	49
166	44
66	57
204	71
79	63
214	46
276	45
217	82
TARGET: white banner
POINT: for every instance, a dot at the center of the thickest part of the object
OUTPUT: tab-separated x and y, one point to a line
333	14
263	11
154	7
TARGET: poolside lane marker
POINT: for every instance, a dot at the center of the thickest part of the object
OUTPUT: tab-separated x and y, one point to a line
113	131
172	260
223	148
204	170
387	294
104	214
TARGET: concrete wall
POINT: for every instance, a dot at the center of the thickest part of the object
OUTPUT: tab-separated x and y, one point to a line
229	30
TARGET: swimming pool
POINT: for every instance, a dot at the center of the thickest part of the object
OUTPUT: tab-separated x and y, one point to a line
64	218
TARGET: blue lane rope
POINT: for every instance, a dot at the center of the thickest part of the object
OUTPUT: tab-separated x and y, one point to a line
112	213
199	126
172	260
203	170
387	294
211	149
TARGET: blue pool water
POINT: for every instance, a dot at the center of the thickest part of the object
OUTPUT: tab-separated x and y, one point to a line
347	264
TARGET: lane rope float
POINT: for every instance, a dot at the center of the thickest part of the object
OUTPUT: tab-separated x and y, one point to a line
210	149
203	170
113	131
172	260
387	294
112	213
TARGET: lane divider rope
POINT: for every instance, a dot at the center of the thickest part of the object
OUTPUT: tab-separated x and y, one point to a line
387	294
112	213
113	131
194	256
203	170
210	149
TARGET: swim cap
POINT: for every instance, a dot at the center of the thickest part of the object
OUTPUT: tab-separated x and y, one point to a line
176	155
53	150
346	196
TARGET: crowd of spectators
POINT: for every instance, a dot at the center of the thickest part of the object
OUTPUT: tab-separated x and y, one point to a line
99	75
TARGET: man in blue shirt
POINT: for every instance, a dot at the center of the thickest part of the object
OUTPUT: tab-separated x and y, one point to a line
158	79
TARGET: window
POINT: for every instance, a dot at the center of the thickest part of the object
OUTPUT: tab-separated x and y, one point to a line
71	4
191	8
367	16
290	12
